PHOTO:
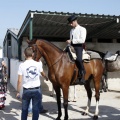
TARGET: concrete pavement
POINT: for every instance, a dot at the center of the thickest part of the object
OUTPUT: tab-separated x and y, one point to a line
109	108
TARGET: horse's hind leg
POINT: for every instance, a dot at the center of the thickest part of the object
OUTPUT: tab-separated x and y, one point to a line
104	82
57	91
97	95
89	94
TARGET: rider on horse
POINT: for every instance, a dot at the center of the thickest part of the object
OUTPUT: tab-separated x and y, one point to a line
77	39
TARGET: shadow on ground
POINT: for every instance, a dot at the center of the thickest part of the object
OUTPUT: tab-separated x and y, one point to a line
106	112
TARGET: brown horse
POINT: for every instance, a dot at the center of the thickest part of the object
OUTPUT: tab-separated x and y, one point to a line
62	73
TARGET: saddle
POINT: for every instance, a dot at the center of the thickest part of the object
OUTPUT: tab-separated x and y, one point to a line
86	56
109	56
72	54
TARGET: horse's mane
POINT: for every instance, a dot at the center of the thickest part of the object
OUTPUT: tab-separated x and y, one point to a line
52	45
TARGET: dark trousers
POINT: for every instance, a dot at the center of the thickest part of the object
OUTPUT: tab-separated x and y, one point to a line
40	107
35	95
79	49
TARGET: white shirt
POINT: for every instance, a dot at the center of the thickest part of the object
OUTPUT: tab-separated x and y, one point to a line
78	35
30	71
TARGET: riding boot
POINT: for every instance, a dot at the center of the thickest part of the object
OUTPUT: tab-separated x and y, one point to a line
82	79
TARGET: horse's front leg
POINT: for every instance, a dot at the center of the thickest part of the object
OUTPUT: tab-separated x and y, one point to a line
65	102
58	95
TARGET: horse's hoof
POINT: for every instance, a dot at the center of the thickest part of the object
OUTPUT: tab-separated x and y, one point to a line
84	113
101	91
95	117
65	118
105	90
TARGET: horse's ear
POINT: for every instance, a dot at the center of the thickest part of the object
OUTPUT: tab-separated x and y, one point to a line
33	41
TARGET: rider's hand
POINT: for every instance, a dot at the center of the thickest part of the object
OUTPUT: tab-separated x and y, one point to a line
68	41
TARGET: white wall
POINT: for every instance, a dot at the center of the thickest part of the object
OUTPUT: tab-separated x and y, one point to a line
14	64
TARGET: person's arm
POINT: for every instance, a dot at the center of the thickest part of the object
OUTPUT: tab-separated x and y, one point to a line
19	85
42	72
70	40
44	75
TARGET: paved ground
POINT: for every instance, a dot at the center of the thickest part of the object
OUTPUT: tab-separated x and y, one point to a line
109	106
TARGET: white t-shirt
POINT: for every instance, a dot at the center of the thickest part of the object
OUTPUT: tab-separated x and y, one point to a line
78	35
30	71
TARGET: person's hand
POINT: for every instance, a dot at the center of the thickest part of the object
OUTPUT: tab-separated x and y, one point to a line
46	78
18	95
68	41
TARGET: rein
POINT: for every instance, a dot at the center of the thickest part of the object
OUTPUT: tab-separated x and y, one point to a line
57	60
35	54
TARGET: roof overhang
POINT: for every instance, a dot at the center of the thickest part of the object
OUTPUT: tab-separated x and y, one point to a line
13	32
54	25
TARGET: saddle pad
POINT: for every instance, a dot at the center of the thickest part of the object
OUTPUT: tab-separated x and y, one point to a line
94	55
85	56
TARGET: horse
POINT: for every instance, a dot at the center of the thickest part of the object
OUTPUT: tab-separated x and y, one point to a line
62	73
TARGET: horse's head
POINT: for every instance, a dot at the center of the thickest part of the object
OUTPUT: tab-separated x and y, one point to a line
33	45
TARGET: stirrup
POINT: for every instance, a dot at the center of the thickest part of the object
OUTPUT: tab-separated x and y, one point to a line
82	82
79	82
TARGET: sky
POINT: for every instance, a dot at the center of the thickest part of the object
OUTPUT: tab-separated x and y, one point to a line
13	12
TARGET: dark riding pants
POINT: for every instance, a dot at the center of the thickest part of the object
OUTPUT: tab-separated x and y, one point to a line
79	49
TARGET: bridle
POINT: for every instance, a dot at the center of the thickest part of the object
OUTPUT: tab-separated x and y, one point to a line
37	50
